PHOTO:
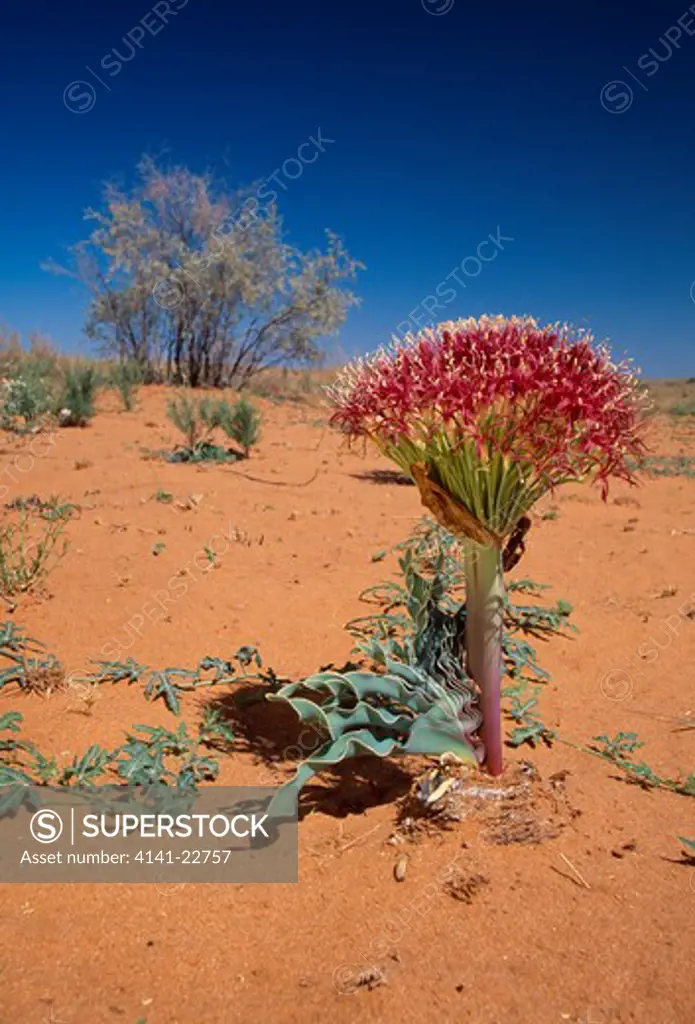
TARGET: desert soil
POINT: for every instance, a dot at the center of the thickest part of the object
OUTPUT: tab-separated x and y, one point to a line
596	925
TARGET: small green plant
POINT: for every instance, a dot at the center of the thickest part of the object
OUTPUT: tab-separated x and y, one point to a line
619	749
183	413
150	756
28	554
126	378
164	497
528	726
242	423
171	683
158	547
27	663
214	730
75	405
145	757
52	508
197	420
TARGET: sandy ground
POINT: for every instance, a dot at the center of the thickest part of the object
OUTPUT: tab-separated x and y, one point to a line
295	544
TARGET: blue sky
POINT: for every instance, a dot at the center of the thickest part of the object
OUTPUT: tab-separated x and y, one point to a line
450	122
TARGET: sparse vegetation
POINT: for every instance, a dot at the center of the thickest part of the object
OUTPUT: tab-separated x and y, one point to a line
29	552
667	465
242	423
51	508
619	749
150	754
286	385
198	419
171	683
25	401
30	667
75	404
30	380
126	377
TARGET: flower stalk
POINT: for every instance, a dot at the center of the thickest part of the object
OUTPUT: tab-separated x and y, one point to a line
484	624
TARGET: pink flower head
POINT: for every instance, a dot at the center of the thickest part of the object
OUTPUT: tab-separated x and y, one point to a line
547	399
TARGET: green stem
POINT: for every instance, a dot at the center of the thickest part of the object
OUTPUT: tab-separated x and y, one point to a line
484	621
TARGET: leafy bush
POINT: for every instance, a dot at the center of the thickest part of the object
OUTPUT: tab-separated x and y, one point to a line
213	413
234	321
183	413
242	423
25	398
196	419
35	377
75	405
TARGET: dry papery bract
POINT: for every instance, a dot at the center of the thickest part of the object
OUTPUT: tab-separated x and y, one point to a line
515	808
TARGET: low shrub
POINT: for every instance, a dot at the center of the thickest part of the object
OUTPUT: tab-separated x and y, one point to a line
126	378
24	401
197	419
75	404
242	423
